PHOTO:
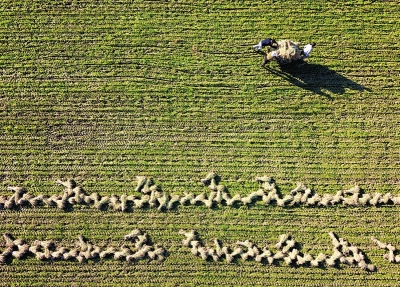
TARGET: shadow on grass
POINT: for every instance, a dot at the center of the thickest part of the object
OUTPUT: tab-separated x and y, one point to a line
316	78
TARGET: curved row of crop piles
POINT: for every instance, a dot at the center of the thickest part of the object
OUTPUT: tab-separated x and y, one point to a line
102	91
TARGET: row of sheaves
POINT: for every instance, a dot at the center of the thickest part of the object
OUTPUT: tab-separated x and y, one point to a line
287	250
49	250
152	196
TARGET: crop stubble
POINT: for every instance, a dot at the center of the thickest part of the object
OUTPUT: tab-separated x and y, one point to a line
104	92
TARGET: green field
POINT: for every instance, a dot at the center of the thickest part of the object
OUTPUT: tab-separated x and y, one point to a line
104	91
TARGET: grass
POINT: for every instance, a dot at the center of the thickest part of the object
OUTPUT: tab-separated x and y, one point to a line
102	92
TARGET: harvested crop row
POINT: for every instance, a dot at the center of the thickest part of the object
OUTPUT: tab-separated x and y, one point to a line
343	252
49	250
391	256
152	196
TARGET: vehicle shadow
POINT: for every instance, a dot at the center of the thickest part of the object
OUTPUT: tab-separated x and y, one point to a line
316	78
